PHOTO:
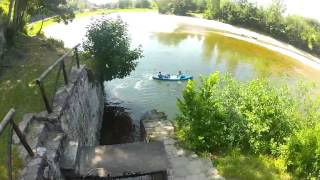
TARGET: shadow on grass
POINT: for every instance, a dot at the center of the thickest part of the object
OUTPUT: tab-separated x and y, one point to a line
251	167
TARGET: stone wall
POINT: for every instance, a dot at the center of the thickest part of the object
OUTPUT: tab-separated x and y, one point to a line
80	108
75	122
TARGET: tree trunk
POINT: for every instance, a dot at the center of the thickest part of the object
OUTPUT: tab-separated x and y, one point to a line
38	33
10	11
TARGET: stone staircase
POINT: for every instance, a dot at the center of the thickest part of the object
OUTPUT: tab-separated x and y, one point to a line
46	140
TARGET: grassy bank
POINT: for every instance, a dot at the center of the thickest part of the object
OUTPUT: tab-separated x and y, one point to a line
24	63
236	165
33	28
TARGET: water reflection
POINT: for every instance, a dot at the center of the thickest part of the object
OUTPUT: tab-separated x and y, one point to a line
232	55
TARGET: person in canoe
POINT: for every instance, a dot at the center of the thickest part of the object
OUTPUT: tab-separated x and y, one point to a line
180	75
160	75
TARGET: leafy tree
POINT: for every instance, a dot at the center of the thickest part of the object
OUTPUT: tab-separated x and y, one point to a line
57	8
108	42
125	4
181	7
178	7
200	5
213	8
142	4
164	6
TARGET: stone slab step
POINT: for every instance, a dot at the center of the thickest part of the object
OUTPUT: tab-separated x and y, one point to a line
123	160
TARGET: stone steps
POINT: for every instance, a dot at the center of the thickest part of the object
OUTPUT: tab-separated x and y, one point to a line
123	160
183	164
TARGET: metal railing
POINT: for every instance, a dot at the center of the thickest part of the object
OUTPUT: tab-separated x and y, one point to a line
7	121
62	66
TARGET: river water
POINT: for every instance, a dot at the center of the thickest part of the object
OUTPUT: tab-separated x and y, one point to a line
171	44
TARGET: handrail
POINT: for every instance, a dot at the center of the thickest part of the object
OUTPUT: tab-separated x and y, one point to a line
8	119
47	71
60	62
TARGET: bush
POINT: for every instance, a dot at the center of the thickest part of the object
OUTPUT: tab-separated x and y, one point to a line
302	154
178	7
223	114
108	43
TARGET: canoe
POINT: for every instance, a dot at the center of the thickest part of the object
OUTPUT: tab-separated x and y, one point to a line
174	78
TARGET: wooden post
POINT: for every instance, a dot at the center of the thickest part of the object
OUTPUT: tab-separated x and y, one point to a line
9	157
65	76
44	97
77	56
22	138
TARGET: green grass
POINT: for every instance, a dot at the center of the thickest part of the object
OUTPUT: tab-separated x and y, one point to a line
26	62
33	28
240	166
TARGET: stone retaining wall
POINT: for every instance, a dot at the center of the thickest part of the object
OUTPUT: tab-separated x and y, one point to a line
75	122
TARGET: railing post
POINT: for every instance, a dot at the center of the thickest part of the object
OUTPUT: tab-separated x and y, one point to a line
9	150
65	76
44	97
77	56
22	138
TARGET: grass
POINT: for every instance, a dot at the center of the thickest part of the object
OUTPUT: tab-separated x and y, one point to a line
25	62
33	28
235	165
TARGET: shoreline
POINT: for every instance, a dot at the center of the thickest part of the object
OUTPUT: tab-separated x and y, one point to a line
228	30
253	37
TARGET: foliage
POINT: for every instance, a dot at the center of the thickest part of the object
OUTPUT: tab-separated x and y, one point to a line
200	5
224	114
178	7
164	6
302	154
109	44
125	4
299	31
213	8
57	8
142	4
236	165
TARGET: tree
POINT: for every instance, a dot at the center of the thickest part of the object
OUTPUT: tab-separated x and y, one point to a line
108	42
164	6
142	4
200	5
125	4
178	7
213	8
181	7
57	8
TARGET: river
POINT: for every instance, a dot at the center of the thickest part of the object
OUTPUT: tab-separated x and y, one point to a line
171	44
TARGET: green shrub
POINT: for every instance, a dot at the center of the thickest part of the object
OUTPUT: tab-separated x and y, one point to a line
223	114
302	154
108	42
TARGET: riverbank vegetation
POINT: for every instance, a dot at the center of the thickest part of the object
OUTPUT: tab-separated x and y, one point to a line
256	118
301	32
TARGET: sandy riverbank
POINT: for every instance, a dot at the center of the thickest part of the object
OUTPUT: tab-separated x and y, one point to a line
160	23
252	37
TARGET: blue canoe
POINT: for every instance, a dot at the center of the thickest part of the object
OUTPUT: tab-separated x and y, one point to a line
174	78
